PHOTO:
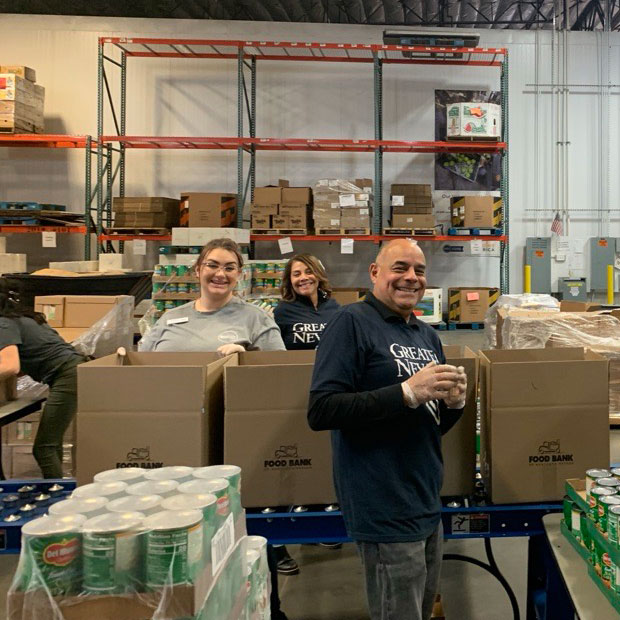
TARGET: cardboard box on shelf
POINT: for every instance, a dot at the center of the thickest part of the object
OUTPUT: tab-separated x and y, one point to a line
473	120
412	210
364	184
410	189
296	196
13	263
86	310
261	222
476	211
201	236
537	405
180	236
280	221
296	223
470	305
264	211
413	221
266	431
52	307
459	444
145	211
114	262
180	424
269	195
294	210
208	209
345	296
24	72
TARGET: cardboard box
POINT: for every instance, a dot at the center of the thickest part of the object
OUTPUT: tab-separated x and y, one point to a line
22	431
201	236
537	406
410	189
24	72
266	430
180	423
280	221
477	211
346	296
52	307
413	221
86	310
267	196
579	306
114	262
473	119
297	196
70	334
412	210
470	305
208	209
8	390
297	223
264	211
459	444
180	236
294	210
364	184
261	222
13	263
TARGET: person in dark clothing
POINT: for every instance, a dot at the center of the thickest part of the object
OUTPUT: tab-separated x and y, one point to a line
302	316
306	304
28	345
381	385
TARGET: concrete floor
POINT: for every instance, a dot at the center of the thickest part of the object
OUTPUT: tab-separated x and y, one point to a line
330	584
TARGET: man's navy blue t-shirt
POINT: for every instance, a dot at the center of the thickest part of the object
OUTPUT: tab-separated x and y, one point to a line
387	456
301	324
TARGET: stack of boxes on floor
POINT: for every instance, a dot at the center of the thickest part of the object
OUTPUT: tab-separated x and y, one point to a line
145	212
281	207
412	206
181	533
342	206
21	100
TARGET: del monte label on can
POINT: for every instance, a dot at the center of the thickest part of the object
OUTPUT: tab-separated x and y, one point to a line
62	553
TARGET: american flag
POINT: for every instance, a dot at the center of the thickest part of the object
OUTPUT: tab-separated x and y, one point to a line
556	226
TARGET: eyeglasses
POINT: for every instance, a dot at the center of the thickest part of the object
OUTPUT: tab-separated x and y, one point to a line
230	268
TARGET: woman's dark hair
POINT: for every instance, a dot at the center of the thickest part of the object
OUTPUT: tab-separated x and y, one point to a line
224	244
11	306
286	288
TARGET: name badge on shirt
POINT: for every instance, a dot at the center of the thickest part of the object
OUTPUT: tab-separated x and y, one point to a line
183	319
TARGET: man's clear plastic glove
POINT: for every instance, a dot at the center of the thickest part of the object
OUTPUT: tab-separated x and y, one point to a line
433	382
457	395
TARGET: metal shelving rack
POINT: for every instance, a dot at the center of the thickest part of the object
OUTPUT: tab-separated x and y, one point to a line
57	141
248	54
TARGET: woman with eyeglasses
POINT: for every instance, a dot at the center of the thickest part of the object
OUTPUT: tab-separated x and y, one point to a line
217	320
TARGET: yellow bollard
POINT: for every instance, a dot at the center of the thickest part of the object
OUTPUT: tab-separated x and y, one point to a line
610	284
527	278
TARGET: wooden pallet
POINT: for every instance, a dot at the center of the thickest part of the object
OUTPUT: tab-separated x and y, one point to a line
19	126
342	231
139	230
288	232
414	232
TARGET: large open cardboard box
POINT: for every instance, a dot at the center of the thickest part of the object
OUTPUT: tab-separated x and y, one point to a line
266	430
156	409
544	418
458	445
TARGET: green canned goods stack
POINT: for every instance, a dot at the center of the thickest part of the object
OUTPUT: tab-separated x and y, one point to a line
113	553
232	473
52	555
592	475
169	304
595	494
159	270
604	504
182	270
160	305
170	270
219	487
173	548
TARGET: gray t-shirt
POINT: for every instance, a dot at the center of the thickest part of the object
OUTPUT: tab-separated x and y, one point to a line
186	329
41	350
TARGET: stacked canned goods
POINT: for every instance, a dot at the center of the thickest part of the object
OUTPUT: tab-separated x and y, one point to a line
602	495
173	286
134	530
267	277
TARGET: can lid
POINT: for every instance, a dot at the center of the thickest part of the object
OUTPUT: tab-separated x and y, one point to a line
77	505
615	471
152	487
114	522
615	510
137	503
256	542
74	519
602	491
252	556
99	489
217	471
188	502
197	486
597	473
608	482
173	519
610	499
126	474
173	472
46	526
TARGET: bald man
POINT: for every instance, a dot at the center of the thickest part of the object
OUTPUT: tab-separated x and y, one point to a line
381	385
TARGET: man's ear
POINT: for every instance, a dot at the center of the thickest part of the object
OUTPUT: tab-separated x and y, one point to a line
372	271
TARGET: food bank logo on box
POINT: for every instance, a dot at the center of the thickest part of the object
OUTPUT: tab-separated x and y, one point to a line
287	457
139	457
550	452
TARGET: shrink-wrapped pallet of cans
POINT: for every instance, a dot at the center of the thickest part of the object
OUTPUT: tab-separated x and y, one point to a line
136	544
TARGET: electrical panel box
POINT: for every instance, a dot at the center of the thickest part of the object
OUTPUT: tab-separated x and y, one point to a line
538	257
573	289
602	254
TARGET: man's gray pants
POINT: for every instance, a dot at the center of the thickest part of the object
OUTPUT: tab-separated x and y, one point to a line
402	578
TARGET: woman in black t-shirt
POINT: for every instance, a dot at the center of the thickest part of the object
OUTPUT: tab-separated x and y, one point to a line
29	346
306	304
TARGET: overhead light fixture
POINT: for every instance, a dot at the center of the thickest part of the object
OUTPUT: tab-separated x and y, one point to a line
456	37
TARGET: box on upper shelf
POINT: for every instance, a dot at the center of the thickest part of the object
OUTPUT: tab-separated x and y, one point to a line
474	120
208	209
476	211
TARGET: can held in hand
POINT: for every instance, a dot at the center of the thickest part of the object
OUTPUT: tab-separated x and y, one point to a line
113	553
52	555
173	547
